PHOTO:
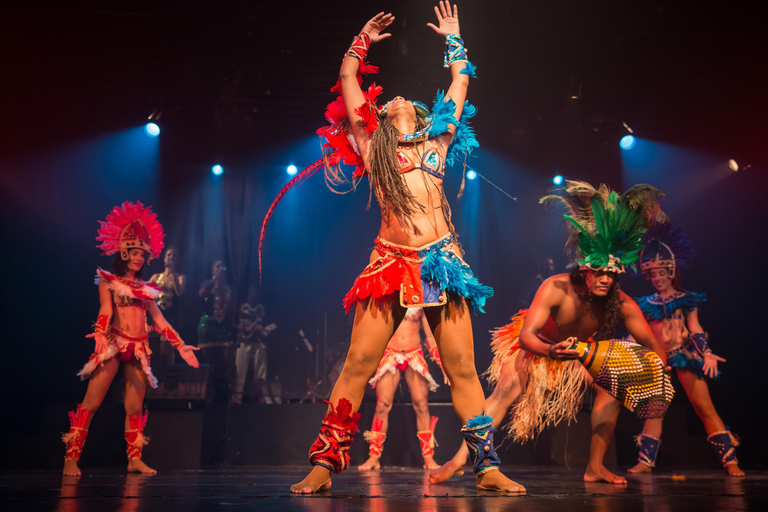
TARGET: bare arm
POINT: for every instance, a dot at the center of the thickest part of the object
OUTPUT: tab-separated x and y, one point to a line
635	323
548	296
105	317
186	352
350	88
710	359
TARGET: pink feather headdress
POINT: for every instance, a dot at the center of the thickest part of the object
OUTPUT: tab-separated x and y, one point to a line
131	226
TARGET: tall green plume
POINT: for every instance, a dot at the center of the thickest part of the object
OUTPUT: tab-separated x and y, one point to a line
607	228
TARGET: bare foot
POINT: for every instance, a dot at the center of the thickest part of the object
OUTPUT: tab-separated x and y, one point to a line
429	463
318	480
601	474
640	468
732	469
451	468
371	464
71	469
494	480
138	466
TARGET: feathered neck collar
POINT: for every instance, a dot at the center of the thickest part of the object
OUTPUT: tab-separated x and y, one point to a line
130	289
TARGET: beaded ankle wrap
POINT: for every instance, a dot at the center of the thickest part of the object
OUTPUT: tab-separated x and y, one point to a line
649	448
724	444
427	438
478	434
75	438
331	448
135	439
359	47
375	438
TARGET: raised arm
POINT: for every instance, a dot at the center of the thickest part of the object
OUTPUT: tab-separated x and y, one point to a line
456	57
635	323
350	66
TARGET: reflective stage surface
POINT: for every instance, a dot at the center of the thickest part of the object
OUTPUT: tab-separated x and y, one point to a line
266	488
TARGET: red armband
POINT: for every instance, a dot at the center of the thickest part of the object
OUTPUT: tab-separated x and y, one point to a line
435	354
102	324
172	337
359	47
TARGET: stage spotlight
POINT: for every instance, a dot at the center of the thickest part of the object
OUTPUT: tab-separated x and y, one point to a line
734	166
291	170
152	130
558	180
217	170
627	142
471	174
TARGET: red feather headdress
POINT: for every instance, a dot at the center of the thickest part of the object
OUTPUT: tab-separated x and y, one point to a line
131	226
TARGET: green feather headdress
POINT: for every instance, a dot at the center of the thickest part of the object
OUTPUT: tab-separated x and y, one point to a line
607	228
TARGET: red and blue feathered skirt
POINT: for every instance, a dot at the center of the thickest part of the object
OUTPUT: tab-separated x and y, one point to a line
424	276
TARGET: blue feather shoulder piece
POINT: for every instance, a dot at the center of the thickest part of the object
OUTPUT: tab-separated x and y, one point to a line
656	308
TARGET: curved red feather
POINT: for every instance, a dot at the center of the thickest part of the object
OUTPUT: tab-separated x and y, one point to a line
297	180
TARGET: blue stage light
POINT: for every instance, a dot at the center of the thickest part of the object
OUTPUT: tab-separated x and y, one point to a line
217	170
558	180
152	130
471	174
627	142
291	170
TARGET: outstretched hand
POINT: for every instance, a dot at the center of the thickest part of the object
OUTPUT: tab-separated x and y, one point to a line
101	342
188	355
376	25
448	21
710	365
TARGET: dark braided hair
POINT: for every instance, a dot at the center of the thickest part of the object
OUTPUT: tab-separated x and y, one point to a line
391	191
386	182
611	303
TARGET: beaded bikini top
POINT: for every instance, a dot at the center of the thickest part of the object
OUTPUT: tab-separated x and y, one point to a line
431	162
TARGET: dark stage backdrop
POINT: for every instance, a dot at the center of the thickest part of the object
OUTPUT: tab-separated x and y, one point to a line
246	85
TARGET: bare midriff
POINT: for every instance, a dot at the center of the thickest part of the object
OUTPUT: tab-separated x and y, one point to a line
424	226
407	335
131	320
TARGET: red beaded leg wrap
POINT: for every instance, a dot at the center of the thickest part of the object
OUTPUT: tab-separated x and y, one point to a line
427	439
331	448
375	438
75	438
134	437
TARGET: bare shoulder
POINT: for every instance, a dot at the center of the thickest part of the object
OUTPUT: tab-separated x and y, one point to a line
559	283
628	304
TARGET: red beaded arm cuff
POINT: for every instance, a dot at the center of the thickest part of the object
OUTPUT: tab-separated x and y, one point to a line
359	47
433	352
172	337
102	324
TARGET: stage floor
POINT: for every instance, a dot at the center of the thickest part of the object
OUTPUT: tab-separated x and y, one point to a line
266	488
